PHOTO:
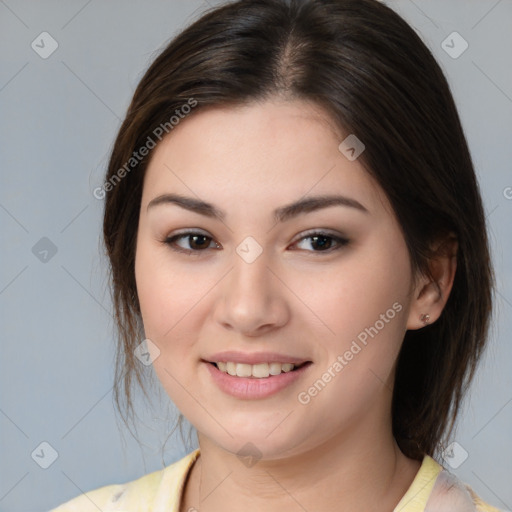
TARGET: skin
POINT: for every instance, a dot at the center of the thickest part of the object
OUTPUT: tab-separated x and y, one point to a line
337	452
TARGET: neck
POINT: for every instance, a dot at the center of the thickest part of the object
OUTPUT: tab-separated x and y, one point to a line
361	469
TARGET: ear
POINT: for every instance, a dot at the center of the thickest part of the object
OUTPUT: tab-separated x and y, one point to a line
431	292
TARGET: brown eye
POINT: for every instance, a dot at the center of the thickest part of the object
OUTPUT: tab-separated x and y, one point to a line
323	242
199	241
191	242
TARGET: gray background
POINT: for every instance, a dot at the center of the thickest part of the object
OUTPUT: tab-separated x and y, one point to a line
58	119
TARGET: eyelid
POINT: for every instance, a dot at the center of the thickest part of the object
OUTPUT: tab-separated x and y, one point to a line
320	231
185	233
339	239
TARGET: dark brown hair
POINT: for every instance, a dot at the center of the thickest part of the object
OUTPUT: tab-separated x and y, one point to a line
375	77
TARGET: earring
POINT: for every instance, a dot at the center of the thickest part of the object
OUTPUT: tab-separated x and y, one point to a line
425	318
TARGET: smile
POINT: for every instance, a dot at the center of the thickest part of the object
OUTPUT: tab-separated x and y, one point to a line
254	381
258	371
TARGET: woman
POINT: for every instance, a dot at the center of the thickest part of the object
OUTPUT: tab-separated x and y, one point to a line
295	228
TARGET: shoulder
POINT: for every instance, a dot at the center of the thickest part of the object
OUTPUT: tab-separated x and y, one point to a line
451	494
481	506
435	489
161	488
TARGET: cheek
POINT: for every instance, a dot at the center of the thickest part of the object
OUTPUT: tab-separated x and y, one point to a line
174	304
167	298
360	290
155	302
364	304
365	307
166	295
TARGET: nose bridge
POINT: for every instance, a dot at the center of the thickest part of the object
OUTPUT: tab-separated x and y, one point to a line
251	298
251	275
250	268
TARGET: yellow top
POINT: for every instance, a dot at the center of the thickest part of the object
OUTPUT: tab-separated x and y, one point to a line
161	491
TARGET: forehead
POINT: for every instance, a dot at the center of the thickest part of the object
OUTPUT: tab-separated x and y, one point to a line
273	149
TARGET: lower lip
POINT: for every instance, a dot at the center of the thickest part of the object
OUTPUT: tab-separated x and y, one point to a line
254	388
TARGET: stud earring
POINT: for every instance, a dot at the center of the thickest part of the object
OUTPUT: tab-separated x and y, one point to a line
425	318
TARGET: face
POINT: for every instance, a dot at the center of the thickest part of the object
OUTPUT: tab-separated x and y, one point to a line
261	246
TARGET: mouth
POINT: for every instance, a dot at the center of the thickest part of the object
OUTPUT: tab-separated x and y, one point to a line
258	380
257	371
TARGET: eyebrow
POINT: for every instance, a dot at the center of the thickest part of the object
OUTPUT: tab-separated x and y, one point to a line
281	214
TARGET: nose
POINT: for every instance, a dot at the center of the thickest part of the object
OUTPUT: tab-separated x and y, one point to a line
252	300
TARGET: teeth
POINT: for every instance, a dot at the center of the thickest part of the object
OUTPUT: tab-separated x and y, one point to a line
243	370
260	371
275	368
231	368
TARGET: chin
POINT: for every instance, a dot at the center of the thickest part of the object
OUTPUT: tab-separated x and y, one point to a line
256	442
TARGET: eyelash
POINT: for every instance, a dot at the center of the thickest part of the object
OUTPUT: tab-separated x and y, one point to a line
170	241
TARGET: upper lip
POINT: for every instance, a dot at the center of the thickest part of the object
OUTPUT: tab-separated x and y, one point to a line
254	358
